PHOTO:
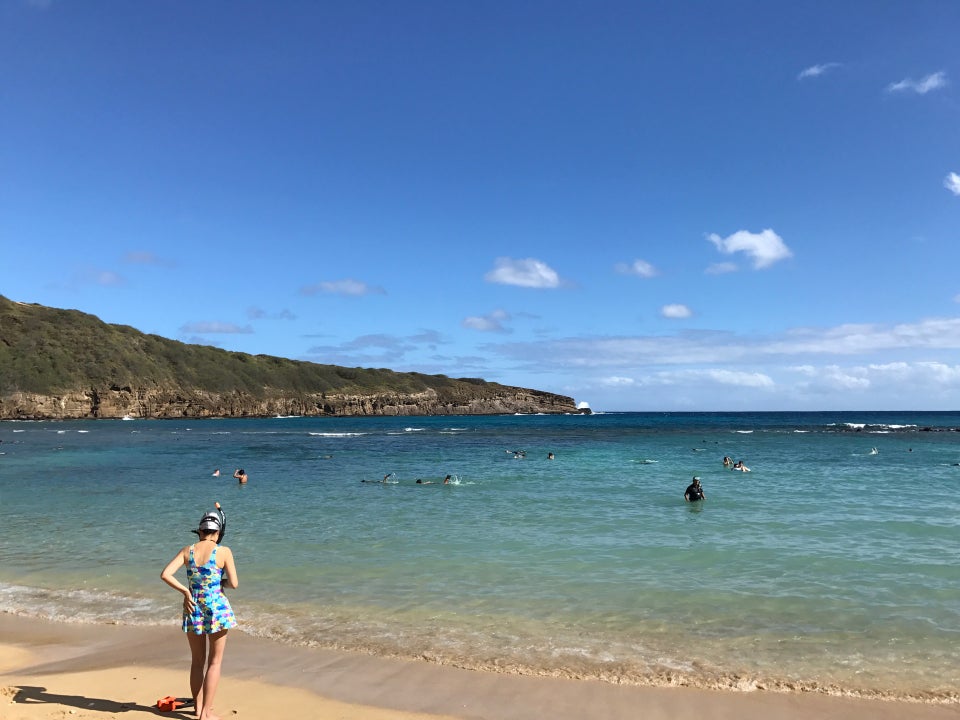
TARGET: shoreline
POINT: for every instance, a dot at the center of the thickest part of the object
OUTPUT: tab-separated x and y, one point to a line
49	668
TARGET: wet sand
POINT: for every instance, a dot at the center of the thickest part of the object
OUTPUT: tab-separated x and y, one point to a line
56	670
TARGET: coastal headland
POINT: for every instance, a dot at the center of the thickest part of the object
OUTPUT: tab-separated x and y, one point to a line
65	364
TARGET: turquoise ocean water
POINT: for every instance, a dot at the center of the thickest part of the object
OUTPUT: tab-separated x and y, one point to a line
829	567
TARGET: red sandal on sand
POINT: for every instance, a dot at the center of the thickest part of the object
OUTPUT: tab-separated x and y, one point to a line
169	703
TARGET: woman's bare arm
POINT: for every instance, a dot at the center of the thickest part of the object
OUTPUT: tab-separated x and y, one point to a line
229	567
169	577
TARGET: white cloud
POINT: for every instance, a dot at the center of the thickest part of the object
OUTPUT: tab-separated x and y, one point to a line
209	328
817	70
721	268
851	366
837	378
348	286
523	273
641	268
931	82
256	313
384	350
492	322
619	355
107	278
952	183
936	373
920	378
720	377
617	381
95	276
854	339
145	257
675	311
765	247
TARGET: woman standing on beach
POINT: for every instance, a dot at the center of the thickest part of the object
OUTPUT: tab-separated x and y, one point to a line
207	615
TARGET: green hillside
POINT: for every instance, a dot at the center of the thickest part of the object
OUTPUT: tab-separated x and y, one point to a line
47	351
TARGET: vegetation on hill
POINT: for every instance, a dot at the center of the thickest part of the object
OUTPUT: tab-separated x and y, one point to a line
47	351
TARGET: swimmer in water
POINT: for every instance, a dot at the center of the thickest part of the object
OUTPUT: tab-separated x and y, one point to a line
446	480
216	473
241	475
694	491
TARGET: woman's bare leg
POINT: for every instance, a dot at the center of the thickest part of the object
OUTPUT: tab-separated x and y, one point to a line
198	659
217	644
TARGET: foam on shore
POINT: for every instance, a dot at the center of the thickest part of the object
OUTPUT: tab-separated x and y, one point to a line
48	669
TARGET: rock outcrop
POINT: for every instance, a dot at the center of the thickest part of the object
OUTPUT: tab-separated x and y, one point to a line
66	364
119	402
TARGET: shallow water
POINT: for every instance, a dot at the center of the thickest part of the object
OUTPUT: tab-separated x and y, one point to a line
826	567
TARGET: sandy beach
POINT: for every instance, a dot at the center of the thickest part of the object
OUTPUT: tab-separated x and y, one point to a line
57	670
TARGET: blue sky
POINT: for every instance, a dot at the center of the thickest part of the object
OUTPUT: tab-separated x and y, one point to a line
644	205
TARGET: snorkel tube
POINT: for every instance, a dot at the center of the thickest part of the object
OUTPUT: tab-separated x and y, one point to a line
223	523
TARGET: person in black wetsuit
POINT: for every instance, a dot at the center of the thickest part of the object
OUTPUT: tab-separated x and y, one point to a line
694	491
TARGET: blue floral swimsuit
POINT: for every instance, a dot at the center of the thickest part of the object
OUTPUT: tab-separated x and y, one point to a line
211	611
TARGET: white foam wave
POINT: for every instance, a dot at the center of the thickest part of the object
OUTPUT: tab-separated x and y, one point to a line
335	434
81	606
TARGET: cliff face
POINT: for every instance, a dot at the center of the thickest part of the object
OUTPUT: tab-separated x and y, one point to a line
66	364
118	402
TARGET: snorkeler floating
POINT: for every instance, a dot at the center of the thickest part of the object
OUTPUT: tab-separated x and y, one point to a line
386	480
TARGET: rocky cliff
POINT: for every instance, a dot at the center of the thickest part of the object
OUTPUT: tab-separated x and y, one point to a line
65	364
119	402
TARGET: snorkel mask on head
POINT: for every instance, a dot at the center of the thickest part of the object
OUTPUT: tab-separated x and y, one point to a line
213	520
